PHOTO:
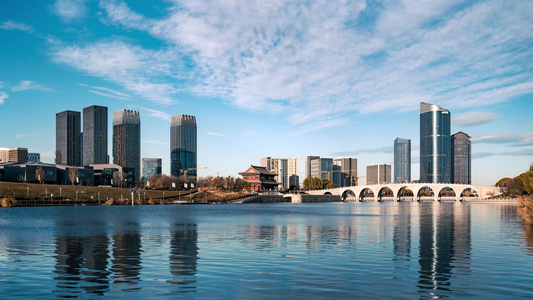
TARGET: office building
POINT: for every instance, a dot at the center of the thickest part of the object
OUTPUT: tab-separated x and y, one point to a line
18	155
308	162
94	139
68	143
127	140
345	172
183	146
321	167
34	157
462	158
286	170
151	166
435	148
402	160
4	155
378	174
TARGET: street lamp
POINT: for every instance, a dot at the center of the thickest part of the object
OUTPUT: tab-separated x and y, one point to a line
46	192
98	197
163	196
27	191
60	192
76	196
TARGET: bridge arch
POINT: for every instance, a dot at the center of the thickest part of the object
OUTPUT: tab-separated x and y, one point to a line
425	192
385	192
348	194
404	192
469	192
447	193
328	193
367	193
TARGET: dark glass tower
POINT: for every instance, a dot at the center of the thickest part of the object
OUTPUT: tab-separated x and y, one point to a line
127	140
402	160
95	135
435	148
462	158
183	145
68	142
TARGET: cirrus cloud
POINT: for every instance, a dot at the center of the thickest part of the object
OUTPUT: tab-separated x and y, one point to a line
475	118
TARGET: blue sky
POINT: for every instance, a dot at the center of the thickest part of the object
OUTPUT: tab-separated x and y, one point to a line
275	78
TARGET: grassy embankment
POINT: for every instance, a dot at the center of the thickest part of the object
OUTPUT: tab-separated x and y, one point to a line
40	194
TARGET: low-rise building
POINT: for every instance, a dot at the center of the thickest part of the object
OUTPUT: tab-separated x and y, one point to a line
378	174
260	178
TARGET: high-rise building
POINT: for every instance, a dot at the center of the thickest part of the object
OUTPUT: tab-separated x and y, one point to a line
4	155
321	168
435	148
402	160
286	170
34	157
95	135
344	171
183	146
127	140
378	174
462	158
68	143
19	155
151	166
308	162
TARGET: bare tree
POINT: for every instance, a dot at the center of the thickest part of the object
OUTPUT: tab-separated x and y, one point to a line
72	174
118	178
39	174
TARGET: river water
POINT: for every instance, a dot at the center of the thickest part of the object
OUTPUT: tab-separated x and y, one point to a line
257	251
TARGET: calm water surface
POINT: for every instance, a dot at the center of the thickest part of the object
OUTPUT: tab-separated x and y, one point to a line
296	251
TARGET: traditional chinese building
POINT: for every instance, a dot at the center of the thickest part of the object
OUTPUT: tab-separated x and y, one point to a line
260	178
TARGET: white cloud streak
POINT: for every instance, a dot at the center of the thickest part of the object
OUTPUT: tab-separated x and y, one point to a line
12	25
19	136
216	134
474	118
3	97
25	85
514	138
107	92
154	142
70	10
319	59
157	114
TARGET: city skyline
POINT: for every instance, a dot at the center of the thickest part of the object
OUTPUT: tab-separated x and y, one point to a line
291	89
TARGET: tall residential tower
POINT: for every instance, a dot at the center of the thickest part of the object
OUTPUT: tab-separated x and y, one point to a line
127	141
435	148
402	160
183	145
462	158
68	143
95	135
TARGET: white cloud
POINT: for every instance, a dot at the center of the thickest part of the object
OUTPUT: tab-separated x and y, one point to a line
25	85
70	10
157	114
321	58
12	25
107	92
3	97
514	138
136	69
19	136
216	134
522	152
474	118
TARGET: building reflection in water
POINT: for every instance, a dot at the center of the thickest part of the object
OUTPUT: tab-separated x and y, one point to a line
81	265
402	234
126	262
184	256
445	244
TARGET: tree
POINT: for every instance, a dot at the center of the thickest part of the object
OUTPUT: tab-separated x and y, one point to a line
164	182
118	178
39	174
73	174
315	183
153	179
218	182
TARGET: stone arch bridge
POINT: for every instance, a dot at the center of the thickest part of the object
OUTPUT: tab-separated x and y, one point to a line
412	192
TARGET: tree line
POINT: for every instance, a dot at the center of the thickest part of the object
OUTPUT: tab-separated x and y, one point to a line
520	185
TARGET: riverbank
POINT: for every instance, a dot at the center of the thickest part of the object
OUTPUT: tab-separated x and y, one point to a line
525	208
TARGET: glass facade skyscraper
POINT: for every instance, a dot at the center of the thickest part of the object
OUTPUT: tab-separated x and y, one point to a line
402	160
435	144
462	158
68	142
95	135
183	146
127	140
151	166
